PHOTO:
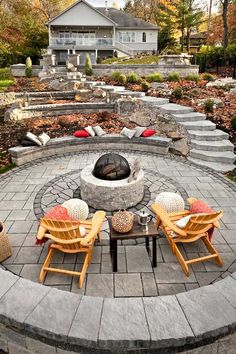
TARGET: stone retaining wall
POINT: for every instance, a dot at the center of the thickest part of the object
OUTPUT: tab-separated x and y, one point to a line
21	155
35	319
107	69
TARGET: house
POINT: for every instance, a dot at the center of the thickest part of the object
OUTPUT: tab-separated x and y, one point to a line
196	41
99	32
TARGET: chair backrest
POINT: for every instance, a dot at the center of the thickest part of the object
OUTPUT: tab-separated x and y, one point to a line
201	223
196	225
69	230
62	230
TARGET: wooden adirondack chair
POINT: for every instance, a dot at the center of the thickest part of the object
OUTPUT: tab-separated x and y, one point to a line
196	228
66	238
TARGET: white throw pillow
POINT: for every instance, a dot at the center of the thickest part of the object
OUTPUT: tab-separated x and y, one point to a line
139	131
44	138
34	138
99	131
90	130
82	231
129	133
181	223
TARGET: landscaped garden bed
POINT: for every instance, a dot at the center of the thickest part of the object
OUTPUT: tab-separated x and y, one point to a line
10	132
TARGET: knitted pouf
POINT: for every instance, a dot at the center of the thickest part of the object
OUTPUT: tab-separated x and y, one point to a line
170	201
77	208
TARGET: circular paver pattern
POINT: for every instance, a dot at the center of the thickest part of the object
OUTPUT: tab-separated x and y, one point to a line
47	182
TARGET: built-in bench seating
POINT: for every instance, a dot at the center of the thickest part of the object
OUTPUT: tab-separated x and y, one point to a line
21	155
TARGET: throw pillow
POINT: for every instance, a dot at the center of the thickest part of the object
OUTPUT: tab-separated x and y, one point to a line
148	132
90	130
200	207
81	134
129	133
181	223
34	138
58	213
44	138
26	142
99	131
139	131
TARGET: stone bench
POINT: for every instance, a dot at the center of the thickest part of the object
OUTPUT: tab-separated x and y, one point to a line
21	155
39	319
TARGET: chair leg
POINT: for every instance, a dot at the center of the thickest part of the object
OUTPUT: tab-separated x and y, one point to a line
212	250
83	271
181	260
47	262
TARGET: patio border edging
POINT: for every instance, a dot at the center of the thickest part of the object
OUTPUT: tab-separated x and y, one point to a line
112	325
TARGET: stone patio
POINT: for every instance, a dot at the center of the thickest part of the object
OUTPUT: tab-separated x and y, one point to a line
28	191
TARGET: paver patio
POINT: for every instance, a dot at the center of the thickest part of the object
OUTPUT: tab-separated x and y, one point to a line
28	188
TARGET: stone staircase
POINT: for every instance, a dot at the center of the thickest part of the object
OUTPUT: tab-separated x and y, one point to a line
209	146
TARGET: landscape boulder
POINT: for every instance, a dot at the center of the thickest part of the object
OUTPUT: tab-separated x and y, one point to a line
180	147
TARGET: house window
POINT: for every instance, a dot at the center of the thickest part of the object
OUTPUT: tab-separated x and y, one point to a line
144	37
64	34
126	37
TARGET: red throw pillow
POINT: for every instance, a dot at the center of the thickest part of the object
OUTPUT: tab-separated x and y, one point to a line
148	132
81	134
200	207
58	213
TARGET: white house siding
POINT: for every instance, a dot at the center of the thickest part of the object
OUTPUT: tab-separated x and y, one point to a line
81	15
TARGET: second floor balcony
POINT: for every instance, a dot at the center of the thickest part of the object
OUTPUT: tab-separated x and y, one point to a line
57	42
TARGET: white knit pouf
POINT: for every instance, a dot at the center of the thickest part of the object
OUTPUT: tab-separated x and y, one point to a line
170	201
77	208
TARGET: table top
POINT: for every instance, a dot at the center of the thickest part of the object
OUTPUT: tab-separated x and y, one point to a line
136	232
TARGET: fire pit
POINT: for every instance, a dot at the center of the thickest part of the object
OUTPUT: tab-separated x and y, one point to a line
105	185
111	167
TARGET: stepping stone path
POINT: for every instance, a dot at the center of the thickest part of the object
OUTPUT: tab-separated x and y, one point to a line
209	146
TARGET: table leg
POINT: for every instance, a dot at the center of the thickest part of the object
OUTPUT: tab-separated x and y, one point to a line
154	252
114	255
147	243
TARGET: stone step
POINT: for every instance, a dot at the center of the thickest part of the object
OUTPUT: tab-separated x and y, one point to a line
219	167
199	125
173	108
130	93
111	88
216	145
155	101
189	117
213	156
214	135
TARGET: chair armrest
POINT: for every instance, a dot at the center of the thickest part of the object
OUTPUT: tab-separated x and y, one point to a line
41	232
64	242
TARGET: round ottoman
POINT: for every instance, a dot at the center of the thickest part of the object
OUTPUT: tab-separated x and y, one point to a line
77	208
170	201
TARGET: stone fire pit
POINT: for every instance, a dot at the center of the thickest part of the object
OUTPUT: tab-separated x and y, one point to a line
110	195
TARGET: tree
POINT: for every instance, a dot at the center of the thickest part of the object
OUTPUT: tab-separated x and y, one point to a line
188	16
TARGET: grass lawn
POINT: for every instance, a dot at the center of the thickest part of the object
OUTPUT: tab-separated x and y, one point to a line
148	59
6	79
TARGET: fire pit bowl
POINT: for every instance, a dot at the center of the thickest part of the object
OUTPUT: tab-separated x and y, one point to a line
111	167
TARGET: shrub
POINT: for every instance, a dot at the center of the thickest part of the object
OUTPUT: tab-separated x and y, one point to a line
208	77
145	86
122	79
174	77
208	105
28	67
88	66
133	78
192	77
155	77
233	123
178	93
115	75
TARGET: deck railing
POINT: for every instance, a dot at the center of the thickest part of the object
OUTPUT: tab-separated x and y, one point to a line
80	42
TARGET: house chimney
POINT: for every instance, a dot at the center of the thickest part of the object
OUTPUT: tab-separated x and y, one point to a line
106	5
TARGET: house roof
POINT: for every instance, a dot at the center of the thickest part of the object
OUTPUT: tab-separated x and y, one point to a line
124	20
118	17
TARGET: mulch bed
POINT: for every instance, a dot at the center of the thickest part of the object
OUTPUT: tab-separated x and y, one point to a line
54	127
